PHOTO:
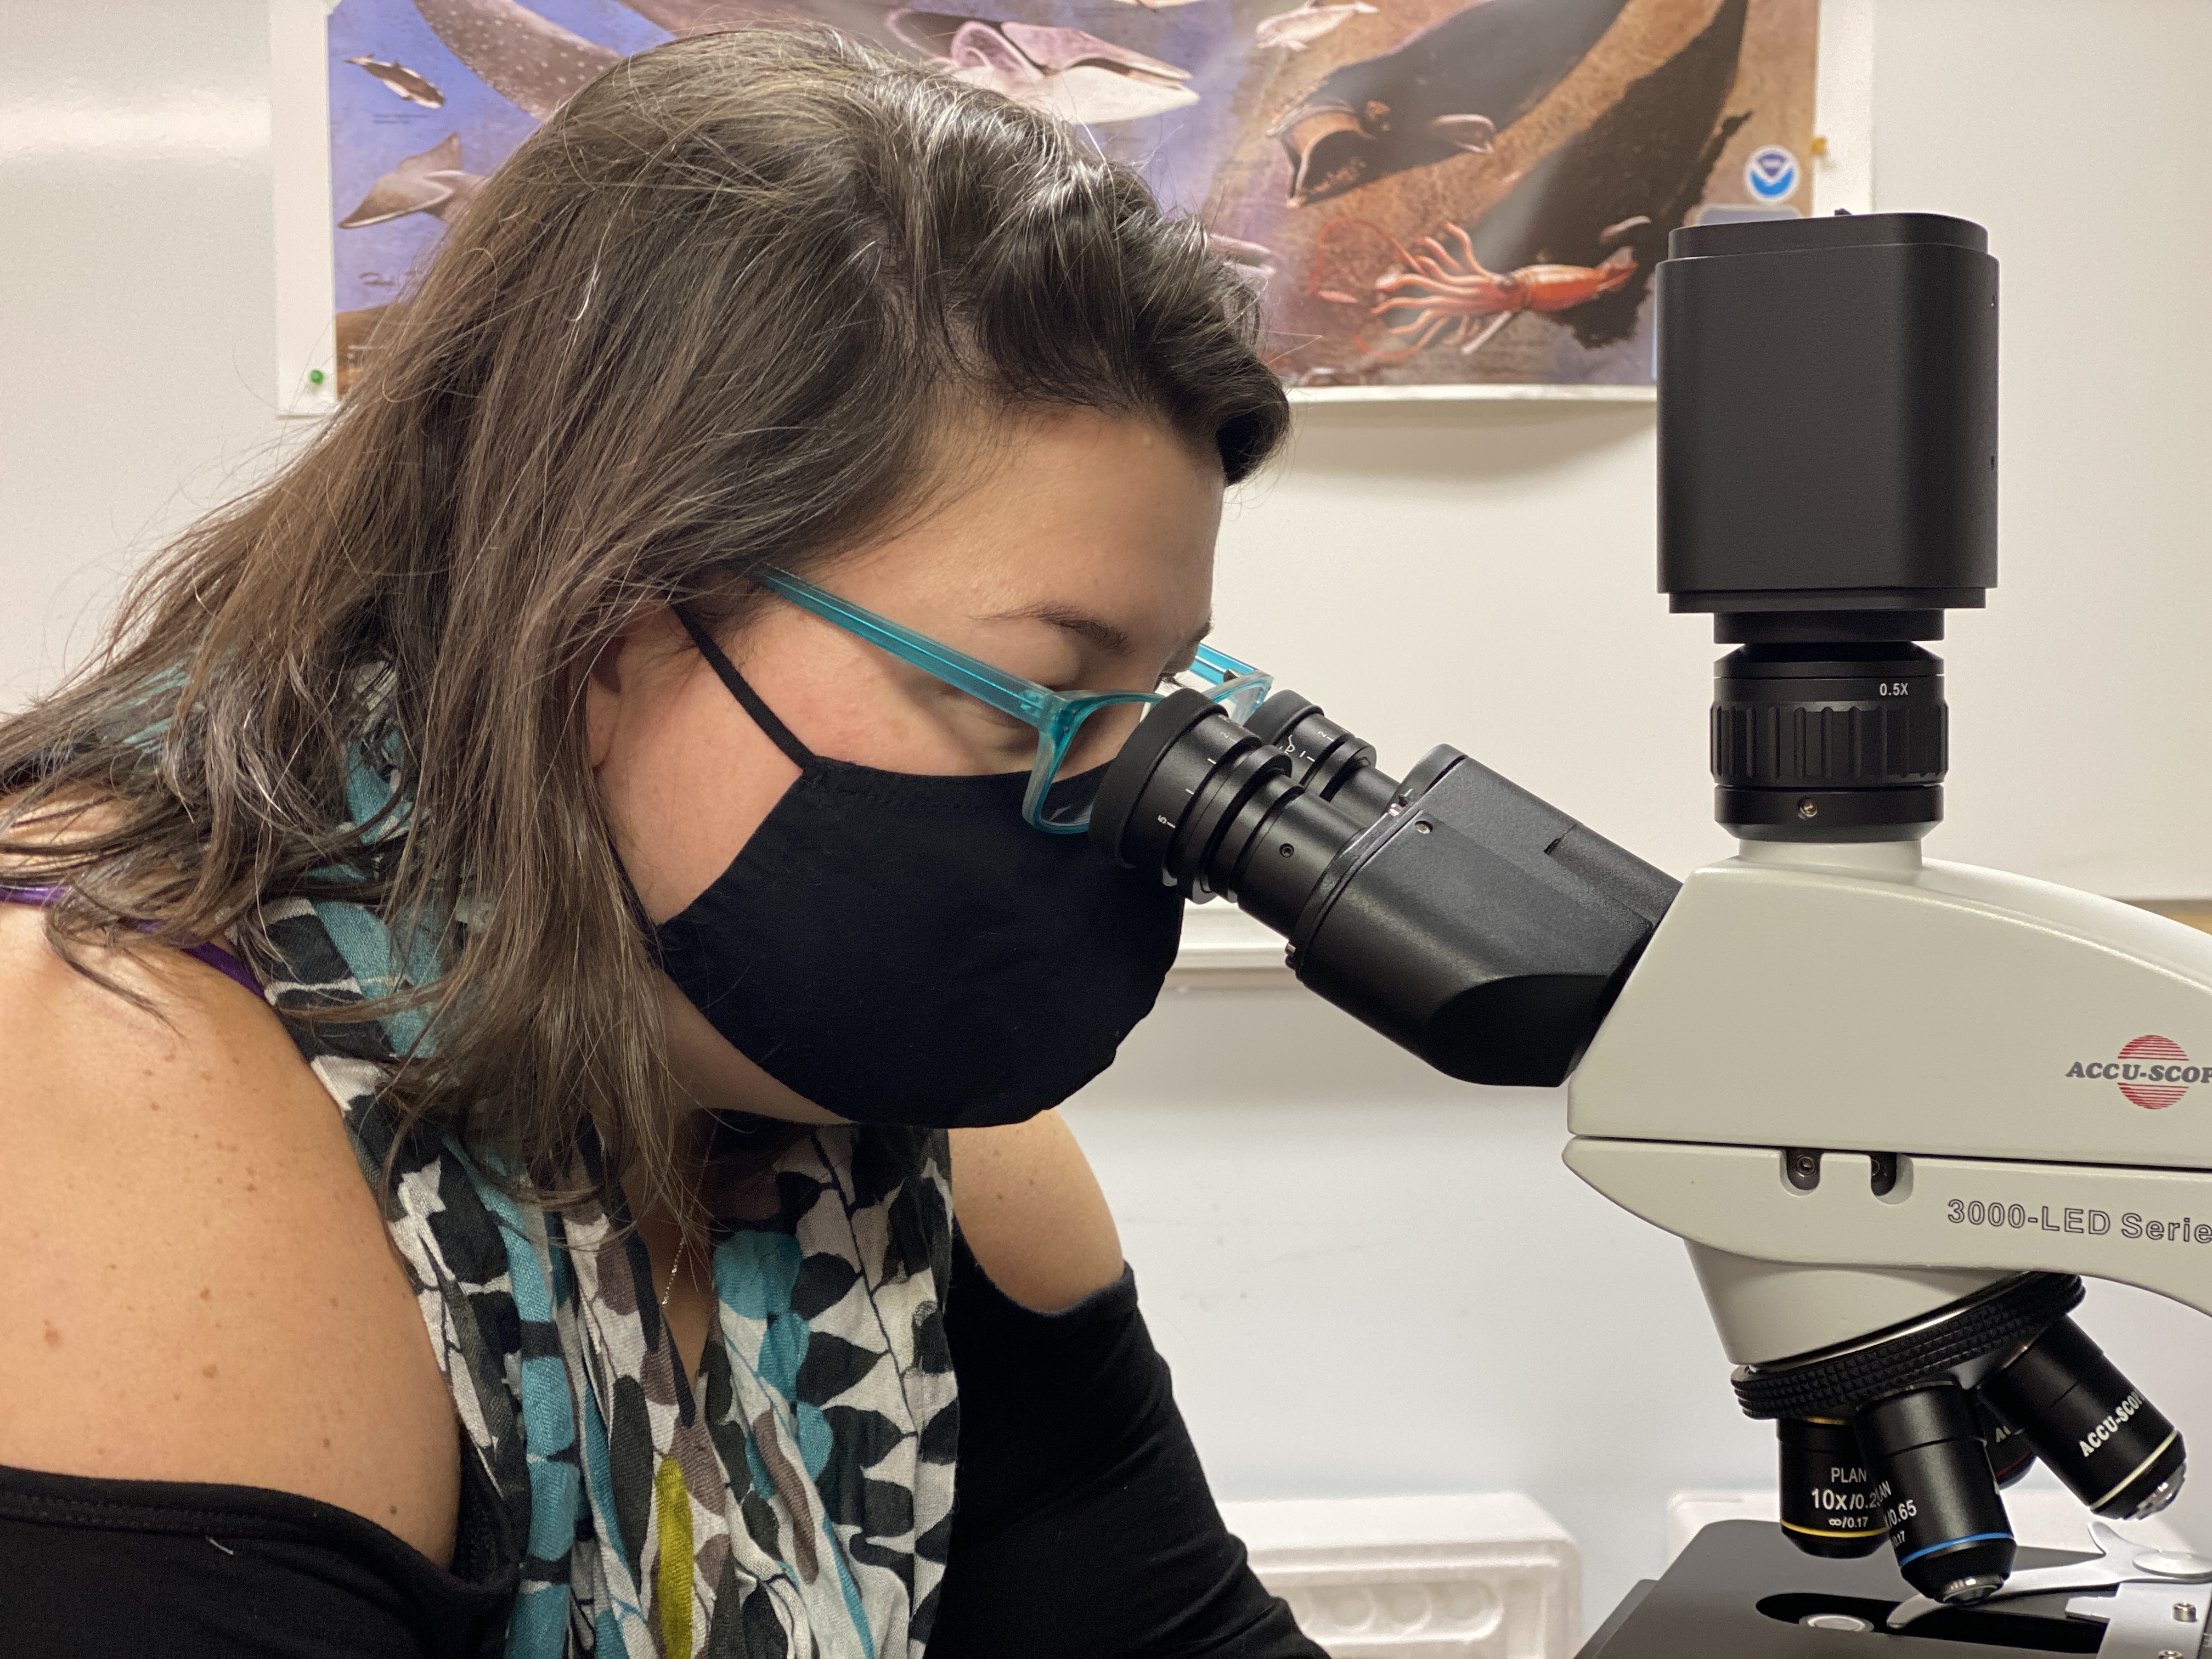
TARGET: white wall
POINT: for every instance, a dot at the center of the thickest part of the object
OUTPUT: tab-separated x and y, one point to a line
135	329
1370	1280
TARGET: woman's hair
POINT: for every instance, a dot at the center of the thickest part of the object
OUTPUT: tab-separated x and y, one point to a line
705	319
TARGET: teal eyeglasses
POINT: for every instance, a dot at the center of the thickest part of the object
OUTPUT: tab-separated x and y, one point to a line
1078	732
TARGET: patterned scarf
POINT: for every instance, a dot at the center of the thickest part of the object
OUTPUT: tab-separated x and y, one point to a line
799	1503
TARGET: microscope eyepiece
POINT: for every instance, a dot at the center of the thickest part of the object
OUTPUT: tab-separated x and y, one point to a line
1326	760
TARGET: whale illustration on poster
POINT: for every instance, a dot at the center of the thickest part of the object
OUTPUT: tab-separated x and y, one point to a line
1428	193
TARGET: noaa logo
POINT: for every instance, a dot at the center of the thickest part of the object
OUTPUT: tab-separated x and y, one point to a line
1771	174
2153	1072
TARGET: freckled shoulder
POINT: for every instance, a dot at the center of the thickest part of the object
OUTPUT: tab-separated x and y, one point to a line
1031	1210
195	1282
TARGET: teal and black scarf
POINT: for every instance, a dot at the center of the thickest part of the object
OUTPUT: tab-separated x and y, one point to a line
799	1501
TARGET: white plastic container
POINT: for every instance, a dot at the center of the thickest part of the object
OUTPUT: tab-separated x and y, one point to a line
1466	1575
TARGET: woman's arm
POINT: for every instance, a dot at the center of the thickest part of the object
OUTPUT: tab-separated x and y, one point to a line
195	1282
1082	1527
1032	1212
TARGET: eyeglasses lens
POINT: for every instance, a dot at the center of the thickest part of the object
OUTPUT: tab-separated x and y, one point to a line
1101	736
1096	741
1243	696
1067	803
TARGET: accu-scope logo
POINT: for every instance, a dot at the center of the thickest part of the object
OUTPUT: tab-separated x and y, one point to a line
2153	1072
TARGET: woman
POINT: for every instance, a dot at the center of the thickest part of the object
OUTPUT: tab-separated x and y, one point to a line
591	765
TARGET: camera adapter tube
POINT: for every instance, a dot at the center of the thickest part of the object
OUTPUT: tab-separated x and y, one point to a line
1453	912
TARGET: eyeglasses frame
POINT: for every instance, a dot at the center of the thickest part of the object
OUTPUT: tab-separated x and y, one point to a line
1057	715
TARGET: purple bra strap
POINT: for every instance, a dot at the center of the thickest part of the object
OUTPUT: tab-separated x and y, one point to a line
213	955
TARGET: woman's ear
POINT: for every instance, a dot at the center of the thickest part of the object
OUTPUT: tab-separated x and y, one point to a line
612	671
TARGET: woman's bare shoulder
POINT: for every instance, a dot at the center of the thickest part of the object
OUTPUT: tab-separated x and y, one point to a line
1032	1212
195	1281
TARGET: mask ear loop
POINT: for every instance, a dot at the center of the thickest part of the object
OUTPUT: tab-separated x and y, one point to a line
763	716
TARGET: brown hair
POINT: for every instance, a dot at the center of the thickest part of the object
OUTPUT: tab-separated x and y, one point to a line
704	320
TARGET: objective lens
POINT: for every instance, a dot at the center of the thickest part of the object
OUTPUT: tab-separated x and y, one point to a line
2113	1448
1828	1503
2010	1456
1931	1476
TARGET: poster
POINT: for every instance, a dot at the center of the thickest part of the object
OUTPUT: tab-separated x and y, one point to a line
1429	194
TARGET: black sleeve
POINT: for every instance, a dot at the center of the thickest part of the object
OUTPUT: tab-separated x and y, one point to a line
99	1569
1082	1527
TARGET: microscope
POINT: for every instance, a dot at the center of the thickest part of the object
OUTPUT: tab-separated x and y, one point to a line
1896	1108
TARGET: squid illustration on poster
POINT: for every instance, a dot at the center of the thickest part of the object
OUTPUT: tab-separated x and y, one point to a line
1428	193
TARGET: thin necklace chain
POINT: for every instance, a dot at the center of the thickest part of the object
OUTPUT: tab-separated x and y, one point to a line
669	1289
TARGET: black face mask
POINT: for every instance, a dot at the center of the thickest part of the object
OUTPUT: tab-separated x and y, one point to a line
906	949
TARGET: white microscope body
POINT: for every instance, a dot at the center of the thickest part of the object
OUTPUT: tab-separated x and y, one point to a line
2038	1062
1864	1087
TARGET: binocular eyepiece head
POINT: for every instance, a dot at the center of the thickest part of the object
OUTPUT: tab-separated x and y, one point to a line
1450	910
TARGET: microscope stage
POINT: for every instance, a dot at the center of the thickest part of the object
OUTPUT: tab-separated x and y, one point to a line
1707	1605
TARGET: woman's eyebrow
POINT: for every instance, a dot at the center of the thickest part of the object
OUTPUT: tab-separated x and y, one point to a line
1190	646
1093	630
